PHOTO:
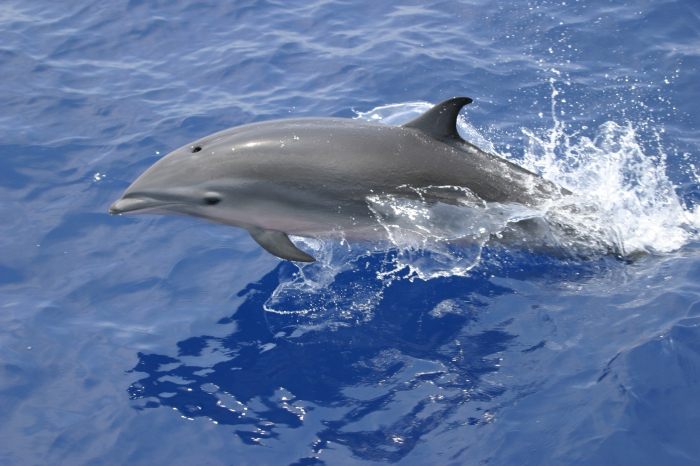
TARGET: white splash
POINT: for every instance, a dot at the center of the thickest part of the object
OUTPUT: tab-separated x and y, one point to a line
623	200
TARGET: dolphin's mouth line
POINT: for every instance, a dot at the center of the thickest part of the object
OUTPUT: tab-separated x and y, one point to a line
140	205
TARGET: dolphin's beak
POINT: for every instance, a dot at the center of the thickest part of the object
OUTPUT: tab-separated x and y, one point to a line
131	204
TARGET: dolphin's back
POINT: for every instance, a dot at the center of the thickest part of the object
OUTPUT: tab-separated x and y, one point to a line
354	156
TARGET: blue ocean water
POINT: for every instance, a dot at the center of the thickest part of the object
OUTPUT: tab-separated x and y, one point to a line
156	340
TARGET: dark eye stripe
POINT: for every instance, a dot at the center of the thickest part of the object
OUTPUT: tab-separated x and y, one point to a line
212	200
196	149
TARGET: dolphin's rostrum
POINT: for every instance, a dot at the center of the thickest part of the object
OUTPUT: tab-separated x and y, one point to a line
313	176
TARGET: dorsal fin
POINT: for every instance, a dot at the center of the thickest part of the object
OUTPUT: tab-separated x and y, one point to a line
440	122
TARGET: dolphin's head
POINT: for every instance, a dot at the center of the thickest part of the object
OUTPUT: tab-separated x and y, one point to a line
184	182
223	178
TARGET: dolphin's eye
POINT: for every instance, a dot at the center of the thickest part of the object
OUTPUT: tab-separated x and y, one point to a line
211	200
196	149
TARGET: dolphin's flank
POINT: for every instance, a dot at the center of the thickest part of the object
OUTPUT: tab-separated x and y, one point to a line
312	176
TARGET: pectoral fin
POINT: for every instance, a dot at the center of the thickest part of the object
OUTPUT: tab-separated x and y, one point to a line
278	244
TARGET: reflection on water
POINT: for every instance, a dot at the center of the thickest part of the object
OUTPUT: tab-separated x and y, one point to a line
461	365
385	382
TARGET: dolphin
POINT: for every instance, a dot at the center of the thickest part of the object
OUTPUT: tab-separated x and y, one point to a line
313	176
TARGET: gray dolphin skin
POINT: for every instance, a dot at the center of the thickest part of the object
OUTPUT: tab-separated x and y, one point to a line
313	176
